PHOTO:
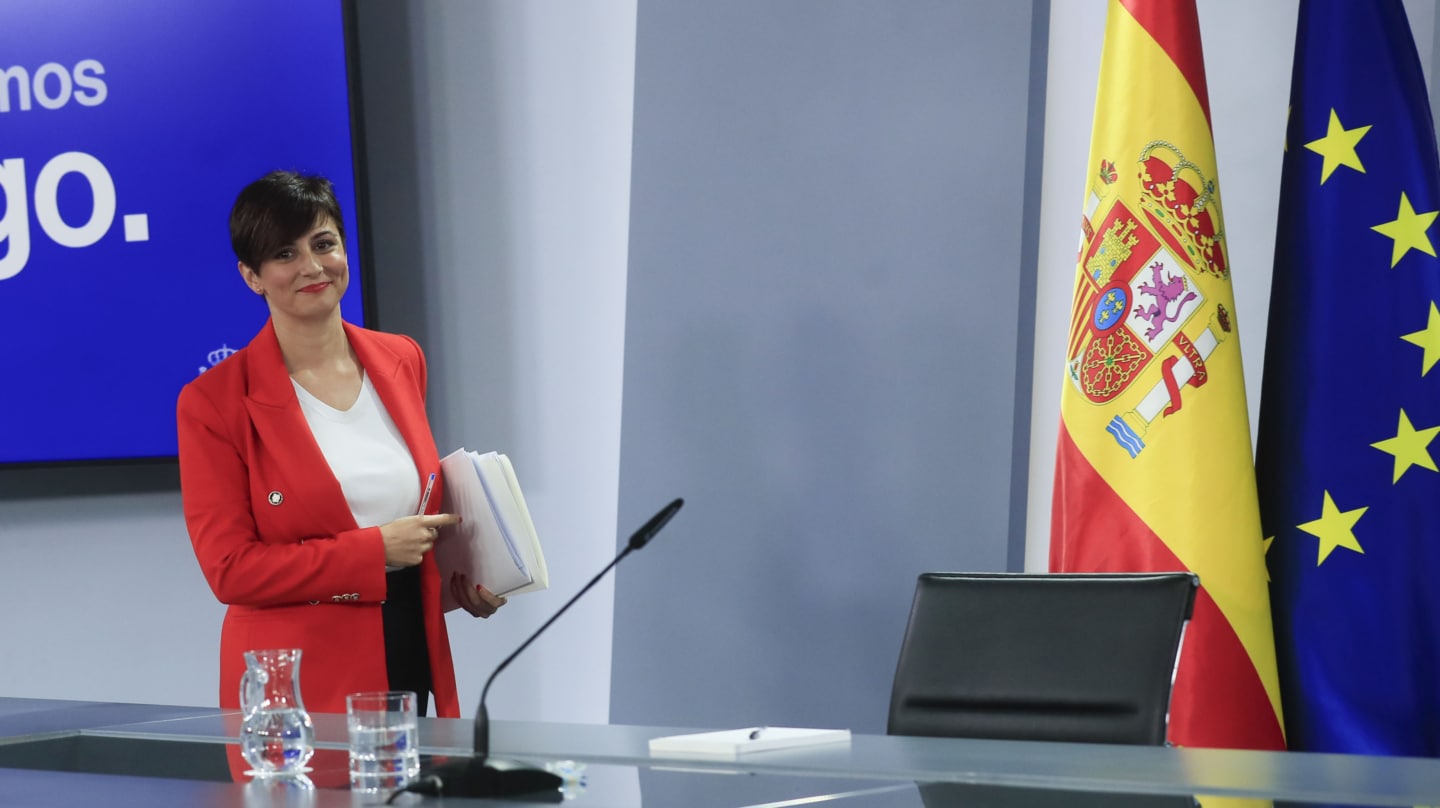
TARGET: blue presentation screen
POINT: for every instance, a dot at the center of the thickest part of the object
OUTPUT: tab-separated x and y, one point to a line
127	127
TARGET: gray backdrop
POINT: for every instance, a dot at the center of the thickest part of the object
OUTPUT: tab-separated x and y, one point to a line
829	245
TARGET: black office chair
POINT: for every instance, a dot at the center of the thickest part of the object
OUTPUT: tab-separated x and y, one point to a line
1047	657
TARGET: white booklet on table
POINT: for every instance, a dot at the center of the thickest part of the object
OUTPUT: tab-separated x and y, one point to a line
730	744
495	543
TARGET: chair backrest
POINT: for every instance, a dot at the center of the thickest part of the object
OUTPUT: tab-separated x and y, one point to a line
1053	657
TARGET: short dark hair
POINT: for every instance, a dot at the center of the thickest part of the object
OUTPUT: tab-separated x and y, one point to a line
277	209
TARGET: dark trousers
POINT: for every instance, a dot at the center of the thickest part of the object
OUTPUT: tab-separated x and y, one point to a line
407	659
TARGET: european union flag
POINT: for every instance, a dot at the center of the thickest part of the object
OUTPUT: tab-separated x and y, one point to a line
1349	491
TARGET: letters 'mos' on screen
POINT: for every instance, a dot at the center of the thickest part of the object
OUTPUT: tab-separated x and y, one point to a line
128	130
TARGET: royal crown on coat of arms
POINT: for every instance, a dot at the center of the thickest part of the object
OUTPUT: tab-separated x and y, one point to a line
1178	197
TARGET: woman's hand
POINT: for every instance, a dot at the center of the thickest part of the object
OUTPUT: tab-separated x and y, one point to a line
476	600
409	538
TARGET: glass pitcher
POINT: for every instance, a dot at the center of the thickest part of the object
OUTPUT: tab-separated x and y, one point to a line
276	736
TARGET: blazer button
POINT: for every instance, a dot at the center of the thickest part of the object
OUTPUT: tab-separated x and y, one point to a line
314	603
336	598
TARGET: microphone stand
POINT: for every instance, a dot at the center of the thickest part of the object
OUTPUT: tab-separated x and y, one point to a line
484	776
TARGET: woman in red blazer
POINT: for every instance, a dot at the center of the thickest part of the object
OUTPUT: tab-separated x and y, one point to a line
302	462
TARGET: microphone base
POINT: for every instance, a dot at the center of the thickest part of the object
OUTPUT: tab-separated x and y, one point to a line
493	777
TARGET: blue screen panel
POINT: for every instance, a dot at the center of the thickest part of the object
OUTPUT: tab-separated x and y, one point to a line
126	131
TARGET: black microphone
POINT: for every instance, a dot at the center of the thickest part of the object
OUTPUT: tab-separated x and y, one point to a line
483	776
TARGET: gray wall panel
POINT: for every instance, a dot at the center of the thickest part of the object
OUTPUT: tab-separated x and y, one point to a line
821	343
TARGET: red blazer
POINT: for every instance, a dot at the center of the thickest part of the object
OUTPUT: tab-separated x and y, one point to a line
274	535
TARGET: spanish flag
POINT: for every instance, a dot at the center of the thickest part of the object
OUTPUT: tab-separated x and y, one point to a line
1153	470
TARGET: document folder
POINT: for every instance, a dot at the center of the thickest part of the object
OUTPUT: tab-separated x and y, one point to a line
495	543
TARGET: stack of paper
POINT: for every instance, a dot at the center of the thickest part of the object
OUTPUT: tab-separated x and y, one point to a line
495	543
732	743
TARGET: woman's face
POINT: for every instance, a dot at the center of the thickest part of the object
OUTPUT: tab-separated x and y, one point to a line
303	280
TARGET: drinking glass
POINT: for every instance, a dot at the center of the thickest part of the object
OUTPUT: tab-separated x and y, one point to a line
384	739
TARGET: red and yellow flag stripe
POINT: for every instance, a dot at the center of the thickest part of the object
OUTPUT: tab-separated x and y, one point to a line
1154	468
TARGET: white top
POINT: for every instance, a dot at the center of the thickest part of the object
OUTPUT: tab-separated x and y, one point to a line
366	454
